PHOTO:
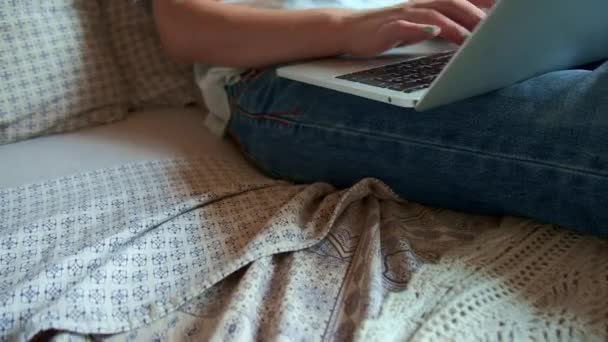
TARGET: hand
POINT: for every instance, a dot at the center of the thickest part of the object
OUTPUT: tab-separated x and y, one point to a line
372	32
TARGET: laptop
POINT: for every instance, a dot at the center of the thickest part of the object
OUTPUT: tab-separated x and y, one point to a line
518	40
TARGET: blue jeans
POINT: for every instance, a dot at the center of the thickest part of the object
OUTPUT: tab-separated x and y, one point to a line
536	149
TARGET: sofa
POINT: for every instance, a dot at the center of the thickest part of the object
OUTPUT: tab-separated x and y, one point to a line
122	218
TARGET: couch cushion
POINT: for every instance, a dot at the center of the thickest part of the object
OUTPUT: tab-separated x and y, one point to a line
57	68
153	79
147	135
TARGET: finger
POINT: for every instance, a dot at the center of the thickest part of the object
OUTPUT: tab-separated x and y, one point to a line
463	12
400	32
450	30
483	3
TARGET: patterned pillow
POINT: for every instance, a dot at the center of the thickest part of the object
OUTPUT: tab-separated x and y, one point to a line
152	77
57	68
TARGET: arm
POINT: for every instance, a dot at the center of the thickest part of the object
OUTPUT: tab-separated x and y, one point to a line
216	33
211	32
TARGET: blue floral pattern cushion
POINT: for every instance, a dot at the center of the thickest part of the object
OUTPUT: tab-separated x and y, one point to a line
57	69
153	79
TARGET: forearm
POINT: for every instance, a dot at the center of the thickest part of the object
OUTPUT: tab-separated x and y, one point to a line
215	33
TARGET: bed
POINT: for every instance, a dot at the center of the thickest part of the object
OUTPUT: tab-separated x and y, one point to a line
153	229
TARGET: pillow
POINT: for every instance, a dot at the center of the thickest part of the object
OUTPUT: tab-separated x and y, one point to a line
152	77
57	68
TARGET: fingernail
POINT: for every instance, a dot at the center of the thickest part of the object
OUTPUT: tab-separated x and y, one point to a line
432	29
397	44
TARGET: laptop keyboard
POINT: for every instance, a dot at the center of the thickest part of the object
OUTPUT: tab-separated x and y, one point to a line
407	76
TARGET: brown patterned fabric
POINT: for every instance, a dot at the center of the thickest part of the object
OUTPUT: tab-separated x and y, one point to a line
211	250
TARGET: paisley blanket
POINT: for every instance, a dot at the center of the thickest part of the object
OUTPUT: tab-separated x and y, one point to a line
204	249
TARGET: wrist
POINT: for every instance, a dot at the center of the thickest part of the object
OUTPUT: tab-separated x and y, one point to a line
338	22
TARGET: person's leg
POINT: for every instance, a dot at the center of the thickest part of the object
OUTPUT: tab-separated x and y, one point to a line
537	149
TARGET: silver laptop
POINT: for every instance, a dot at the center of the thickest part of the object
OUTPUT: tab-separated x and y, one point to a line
518	40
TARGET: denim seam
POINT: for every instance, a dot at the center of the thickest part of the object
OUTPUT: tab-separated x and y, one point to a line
253	161
294	112
425	143
272	116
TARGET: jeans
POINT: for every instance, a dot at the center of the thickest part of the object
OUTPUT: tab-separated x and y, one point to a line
536	149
